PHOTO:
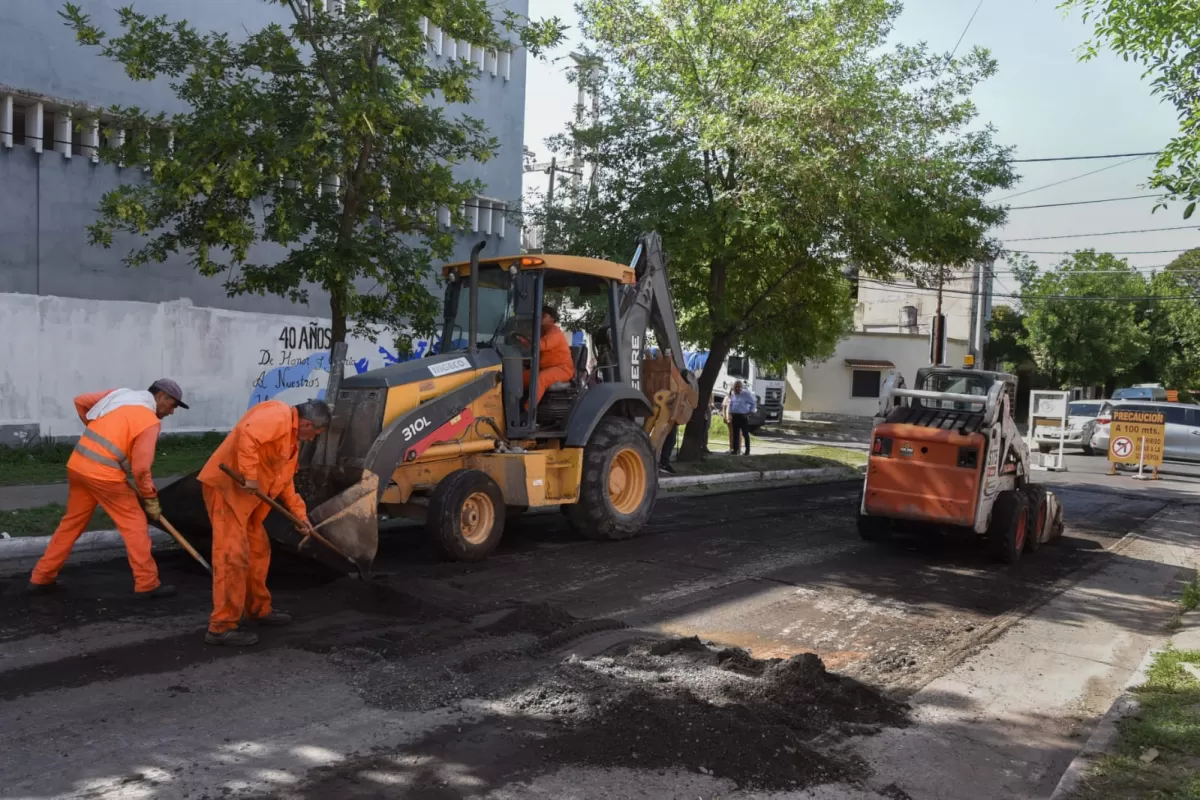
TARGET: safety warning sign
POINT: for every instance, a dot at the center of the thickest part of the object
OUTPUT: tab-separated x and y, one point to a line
1137	437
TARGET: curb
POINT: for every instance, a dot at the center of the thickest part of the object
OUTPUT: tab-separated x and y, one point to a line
21	552
1106	733
751	477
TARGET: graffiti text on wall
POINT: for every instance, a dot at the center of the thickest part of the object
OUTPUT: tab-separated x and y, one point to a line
299	368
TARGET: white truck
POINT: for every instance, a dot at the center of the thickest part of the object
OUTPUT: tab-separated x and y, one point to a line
767	386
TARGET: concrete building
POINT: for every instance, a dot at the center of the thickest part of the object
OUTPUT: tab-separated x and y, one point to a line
892	324
847	384
76	319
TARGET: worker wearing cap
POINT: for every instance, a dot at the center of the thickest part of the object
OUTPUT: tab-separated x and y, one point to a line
555	362
263	449
110	467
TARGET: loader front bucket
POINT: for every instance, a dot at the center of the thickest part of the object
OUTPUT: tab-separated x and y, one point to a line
347	520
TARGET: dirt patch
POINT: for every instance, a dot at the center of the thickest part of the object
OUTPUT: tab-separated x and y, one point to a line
679	703
540	619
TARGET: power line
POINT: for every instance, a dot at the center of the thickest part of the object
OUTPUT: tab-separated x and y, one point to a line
1081	158
1104	233
1067	180
1109	252
963	35
1029	297
1085	202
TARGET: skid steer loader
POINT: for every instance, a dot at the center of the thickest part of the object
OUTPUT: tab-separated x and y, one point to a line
458	439
948	455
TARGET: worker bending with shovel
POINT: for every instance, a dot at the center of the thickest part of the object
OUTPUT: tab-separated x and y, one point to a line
257	460
110	467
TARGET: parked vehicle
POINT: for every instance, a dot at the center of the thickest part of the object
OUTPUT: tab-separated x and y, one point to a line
1182	440
1081	422
766	385
1142	391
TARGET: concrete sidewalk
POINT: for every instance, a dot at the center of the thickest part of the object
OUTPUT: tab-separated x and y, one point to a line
1008	721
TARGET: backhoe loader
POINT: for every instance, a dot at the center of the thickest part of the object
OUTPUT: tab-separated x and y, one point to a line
459	440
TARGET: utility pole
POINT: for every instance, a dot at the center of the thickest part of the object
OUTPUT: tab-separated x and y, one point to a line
552	169
937	353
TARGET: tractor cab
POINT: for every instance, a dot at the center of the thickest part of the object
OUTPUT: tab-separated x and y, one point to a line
512	292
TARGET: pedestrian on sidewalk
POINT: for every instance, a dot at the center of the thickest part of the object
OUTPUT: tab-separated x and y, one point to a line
110	467
741	404
664	461
263	448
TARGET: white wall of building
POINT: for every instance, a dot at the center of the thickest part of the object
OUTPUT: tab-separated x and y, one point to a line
825	387
879	305
55	348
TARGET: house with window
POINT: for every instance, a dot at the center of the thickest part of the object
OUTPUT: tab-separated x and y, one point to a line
892	322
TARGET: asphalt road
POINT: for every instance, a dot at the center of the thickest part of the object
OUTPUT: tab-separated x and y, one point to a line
104	696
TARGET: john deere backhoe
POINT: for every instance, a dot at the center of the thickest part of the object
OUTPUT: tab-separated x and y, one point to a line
458	440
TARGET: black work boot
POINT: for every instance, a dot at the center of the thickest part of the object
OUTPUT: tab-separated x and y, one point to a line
234	638
273	617
162	590
41	589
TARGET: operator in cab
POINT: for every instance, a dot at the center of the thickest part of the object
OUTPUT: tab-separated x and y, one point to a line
555	362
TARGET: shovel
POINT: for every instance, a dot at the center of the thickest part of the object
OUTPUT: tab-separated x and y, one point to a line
350	518
176	535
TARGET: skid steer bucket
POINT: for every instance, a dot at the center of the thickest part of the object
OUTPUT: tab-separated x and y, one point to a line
346	520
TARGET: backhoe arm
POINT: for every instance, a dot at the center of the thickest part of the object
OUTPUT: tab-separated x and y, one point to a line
647	305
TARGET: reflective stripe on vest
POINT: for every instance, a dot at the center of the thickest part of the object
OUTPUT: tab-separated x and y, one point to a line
118	460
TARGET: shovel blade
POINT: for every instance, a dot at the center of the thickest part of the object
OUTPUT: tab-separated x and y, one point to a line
350	521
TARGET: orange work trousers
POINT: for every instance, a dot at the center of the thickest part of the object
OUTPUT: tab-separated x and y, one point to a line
121	503
241	556
547	376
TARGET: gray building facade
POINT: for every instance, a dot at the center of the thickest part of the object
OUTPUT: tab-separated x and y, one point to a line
48	199
77	319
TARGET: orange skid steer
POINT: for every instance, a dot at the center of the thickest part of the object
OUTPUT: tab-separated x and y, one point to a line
947	455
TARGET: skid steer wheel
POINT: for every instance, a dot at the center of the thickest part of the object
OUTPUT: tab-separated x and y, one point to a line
871	529
619	482
1037	505
1010	526
466	516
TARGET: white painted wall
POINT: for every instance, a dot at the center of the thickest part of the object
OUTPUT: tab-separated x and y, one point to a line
824	387
879	305
54	348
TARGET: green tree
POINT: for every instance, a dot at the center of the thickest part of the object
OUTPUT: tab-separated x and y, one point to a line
327	137
1172	322
1164	37
1006	345
777	145
1083	321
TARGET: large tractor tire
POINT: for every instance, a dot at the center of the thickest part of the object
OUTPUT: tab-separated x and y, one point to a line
466	516
1038	505
1009	529
619	483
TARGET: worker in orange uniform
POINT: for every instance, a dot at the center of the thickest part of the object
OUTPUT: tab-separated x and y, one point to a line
262	448
116	449
555	362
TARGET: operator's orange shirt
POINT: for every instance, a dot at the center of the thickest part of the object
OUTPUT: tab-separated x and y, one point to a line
556	355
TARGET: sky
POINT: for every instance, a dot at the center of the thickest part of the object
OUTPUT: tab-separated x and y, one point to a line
1042	100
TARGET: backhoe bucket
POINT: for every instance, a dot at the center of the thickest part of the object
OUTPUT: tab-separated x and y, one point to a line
346	520
350	522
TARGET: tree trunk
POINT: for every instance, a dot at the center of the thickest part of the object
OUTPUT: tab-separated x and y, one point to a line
695	436
337	344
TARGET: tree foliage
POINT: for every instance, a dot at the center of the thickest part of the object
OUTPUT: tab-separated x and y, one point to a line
1164	37
332	137
1006	343
777	145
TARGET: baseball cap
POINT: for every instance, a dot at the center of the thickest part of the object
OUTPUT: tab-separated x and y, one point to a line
170	388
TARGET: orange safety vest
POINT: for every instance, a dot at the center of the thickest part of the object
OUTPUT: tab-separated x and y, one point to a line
103	450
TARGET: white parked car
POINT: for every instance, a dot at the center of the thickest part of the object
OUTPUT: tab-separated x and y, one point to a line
1181	431
1081	423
